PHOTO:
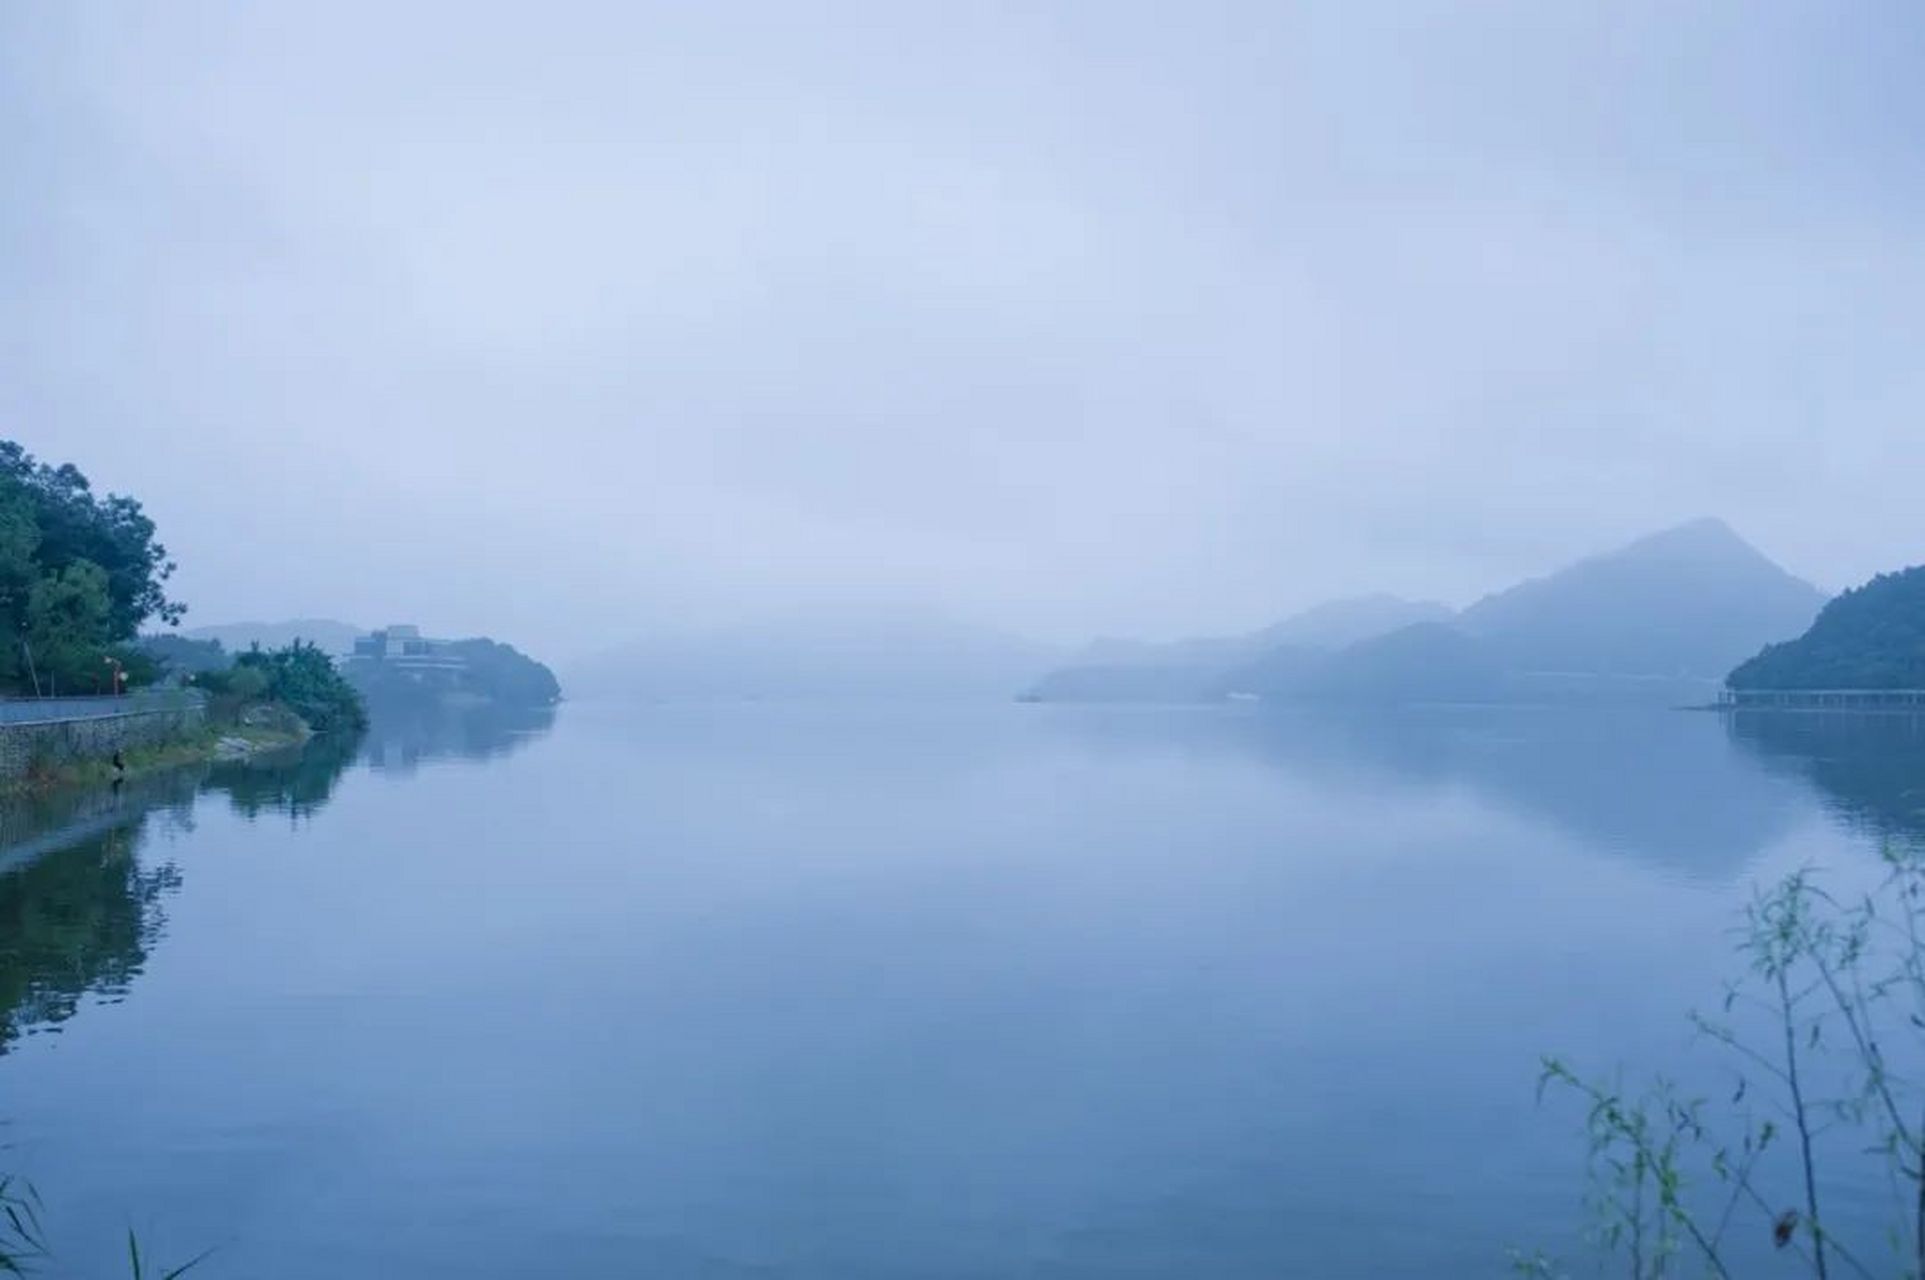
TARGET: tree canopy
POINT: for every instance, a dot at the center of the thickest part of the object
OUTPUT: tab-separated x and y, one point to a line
1871	637
508	675
79	574
299	677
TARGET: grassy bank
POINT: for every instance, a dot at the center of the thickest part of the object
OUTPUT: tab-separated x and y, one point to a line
260	730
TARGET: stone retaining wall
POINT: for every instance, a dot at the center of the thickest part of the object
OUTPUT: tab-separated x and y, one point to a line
50	744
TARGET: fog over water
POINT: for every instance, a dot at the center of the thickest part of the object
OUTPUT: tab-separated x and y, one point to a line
576	322
808	993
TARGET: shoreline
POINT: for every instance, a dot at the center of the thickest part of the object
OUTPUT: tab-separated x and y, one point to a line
209	746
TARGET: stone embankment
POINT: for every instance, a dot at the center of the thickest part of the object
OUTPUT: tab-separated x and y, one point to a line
44	735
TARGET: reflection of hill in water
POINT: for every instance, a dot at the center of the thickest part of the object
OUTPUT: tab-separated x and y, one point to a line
402	736
1662	786
1665	787
80	908
1869	769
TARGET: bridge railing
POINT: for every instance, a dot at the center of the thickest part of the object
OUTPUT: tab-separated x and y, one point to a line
43	710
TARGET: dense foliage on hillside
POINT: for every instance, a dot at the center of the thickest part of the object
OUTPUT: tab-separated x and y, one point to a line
79	573
508	675
299	677
1871	637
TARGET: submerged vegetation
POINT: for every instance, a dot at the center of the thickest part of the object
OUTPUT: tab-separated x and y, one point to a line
1824	1037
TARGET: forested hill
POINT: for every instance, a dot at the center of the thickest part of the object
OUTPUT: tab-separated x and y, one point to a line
1871	637
497	672
508	675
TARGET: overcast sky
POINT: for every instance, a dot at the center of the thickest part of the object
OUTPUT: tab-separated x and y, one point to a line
563	321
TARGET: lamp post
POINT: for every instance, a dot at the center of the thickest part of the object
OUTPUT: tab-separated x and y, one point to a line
119	673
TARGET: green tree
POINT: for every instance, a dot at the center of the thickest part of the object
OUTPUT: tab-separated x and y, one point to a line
300	677
19	540
113	532
52	523
68	624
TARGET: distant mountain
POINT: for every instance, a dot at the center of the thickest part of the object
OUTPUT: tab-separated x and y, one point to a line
1147	681
1658	621
1340	623
1208	667
1281	670
1871	637
1689	601
1428	662
237	637
824	652
1653	622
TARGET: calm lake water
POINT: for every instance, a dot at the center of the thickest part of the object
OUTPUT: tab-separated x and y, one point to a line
980	991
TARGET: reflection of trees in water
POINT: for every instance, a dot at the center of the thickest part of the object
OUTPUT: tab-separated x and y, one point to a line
404	734
297	781
76	922
79	911
1869	769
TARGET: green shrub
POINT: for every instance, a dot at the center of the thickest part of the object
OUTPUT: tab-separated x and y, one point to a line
299	677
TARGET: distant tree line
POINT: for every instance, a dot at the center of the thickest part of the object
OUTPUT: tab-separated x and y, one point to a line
79	574
177	653
498	672
1871	637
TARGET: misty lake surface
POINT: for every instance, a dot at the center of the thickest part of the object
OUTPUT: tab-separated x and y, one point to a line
777	991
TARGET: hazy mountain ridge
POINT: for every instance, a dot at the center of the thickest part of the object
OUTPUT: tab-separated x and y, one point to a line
1688	601
1658	620
828	652
1205	668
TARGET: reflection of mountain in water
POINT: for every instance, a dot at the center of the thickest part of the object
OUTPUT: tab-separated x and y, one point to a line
1662	786
404	735
1870	769
79	908
1665	787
